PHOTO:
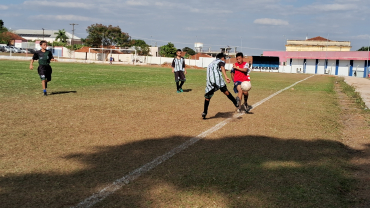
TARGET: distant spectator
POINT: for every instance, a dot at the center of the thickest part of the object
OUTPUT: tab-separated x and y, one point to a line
111	59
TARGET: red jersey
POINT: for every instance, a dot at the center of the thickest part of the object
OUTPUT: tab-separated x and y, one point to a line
241	76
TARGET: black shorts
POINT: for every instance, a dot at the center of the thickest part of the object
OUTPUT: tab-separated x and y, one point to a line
45	72
210	94
179	76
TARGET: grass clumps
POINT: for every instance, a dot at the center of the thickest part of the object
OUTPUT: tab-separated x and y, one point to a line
350	91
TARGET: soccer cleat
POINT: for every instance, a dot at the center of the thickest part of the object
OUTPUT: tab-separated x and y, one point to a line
247	107
45	94
204	115
237	102
178	91
181	90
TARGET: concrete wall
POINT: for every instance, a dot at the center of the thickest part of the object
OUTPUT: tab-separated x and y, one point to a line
331	67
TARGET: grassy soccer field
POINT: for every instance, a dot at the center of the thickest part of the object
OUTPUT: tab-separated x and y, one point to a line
102	121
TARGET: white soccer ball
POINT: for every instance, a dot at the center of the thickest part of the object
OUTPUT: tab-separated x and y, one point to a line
246	86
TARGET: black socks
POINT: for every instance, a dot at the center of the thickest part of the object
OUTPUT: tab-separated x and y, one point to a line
177	85
246	99
231	97
182	82
206	104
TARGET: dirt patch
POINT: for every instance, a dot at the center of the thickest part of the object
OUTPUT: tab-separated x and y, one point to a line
355	135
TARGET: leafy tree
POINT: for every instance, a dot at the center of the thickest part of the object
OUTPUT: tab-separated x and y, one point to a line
74	47
141	47
61	35
363	49
189	51
4	39
168	50
57	43
99	34
2	27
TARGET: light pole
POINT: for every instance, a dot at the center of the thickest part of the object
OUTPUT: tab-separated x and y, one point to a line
326	53
102	48
43	33
367	61
241	44
73	33
196	44
285	52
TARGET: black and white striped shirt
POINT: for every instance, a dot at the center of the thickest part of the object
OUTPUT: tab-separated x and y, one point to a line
178	64
215	80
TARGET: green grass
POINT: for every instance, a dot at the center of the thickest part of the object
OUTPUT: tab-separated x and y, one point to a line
350	91
286	154
18	79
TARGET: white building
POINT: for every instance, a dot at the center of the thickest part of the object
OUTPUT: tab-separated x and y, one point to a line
47	35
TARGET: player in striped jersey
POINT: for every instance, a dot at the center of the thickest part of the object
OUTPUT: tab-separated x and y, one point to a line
216	82
178	68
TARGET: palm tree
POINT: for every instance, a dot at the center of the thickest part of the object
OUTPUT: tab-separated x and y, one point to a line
61	35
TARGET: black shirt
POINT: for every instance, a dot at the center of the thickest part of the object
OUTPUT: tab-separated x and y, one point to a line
43	57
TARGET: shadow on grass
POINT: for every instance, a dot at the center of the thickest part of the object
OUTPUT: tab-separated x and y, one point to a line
245	171
62	92
187	90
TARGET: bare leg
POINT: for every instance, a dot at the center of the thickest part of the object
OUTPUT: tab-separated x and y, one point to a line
43	84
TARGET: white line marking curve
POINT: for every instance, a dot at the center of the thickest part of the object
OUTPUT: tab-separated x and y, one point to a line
119	183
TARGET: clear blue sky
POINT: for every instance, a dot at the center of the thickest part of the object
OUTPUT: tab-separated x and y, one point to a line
258	25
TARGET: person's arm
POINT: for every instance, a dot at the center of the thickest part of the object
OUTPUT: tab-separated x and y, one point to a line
183	65
242	69
224	73
35	57
31	64
51	57
173	66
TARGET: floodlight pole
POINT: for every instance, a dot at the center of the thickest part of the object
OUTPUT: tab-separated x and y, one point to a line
102	48
241	44
368	57
43	36
73	33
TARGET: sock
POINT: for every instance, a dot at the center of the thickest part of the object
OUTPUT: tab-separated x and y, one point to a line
206	104
182	82
46	84
246	99
177	85
231	97
44	90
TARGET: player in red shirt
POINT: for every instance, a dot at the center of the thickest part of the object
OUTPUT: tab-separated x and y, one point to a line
239	74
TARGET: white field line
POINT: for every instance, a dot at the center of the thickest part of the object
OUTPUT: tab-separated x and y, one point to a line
119	183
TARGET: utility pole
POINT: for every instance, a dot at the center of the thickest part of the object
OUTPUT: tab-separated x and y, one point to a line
241	44
73	33
43	33
367	61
